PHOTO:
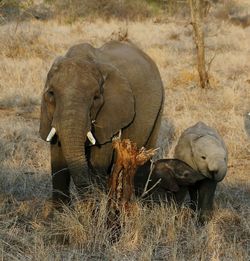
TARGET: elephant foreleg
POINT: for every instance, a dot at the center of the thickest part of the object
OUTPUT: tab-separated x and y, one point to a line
206	191
60	175
193	192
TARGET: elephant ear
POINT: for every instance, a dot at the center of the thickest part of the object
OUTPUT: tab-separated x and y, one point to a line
45	117
118	110
184	149
168	181
45	122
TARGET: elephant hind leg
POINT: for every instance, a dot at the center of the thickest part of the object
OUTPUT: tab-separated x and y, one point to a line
60	176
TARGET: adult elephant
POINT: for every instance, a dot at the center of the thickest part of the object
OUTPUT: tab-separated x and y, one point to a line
97	93
202	148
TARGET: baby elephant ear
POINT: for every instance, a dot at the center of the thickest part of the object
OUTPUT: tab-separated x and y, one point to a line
118	110
168	181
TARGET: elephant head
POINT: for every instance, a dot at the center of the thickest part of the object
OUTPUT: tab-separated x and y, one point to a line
201	147
83	99
174	173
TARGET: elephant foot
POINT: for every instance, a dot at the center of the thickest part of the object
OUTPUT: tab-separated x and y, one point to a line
193	206
204	217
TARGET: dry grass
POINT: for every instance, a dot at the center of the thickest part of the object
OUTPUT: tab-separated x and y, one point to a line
71	10
28	231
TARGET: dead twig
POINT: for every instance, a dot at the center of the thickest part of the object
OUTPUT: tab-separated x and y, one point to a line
211	60
146	190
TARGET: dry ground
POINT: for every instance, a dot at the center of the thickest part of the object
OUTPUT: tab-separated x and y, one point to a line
27	232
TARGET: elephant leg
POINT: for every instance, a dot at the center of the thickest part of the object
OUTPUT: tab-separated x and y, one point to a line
180	196
60	175
206	191
193	192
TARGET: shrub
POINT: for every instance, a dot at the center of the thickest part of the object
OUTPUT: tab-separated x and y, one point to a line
10	9
129	9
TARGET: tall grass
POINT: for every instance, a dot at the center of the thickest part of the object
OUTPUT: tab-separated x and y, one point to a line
30	230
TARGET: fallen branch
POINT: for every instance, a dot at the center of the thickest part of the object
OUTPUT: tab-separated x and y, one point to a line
146	190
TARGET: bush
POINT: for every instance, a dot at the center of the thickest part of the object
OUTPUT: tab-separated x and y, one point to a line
11	9
125	9
224	10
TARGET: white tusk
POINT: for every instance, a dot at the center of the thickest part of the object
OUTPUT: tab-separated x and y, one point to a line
91	137
120	134
51	134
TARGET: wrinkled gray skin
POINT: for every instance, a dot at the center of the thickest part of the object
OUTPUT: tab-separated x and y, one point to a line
202	148
170	175
103	90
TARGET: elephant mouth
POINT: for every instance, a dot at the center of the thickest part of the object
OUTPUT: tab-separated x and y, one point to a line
213	175
54	140
218	178
207	174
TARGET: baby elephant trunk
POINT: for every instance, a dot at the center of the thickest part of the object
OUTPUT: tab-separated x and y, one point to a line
217	170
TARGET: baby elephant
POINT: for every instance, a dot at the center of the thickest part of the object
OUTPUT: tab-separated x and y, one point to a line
171	175
201	147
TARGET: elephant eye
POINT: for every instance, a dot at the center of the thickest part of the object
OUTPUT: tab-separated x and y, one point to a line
49	96
96	96
203	157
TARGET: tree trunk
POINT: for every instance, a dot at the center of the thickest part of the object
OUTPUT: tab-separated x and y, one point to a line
121	182
196	9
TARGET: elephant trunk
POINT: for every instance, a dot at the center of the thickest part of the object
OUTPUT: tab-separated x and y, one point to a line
72	136
218	170
221	173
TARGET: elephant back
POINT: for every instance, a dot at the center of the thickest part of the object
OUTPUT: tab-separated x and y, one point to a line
146	84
